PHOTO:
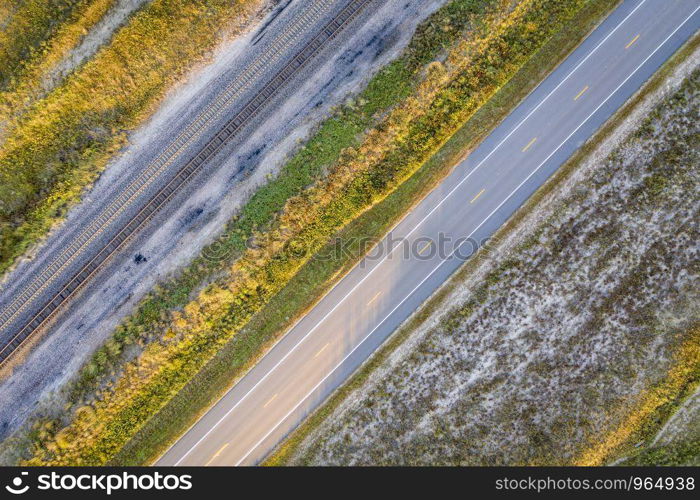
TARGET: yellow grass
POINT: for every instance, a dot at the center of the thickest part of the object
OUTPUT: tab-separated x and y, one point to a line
34	78
62	141
684	372
364	175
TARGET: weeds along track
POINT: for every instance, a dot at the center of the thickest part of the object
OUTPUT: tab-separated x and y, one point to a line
107	218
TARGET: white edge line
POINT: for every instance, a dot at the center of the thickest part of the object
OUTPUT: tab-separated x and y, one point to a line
470	234
407	235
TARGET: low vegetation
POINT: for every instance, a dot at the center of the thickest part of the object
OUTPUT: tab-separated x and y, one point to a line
28	28
60	143
678	442
38	35
414	106
582	374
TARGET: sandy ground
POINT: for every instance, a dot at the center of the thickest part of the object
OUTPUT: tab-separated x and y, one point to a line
410	411
185	228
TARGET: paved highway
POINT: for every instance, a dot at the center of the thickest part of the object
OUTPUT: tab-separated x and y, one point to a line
362	310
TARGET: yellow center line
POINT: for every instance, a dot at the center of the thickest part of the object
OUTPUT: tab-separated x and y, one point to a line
478	194
217	454
322	349
374	298
529	144
581	93
270	401
425	247
631	42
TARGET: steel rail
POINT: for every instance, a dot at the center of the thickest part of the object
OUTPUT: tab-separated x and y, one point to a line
330	30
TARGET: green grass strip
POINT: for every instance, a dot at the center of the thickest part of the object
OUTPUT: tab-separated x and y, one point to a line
316	276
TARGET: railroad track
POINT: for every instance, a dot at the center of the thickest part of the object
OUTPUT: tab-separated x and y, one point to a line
232	127
146	177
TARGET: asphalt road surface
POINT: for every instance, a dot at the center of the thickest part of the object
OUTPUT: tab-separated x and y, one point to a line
362	310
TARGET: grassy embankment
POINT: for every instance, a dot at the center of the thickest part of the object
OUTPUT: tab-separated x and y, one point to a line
445	96
684	453
650	412
38	35
647	413
30	28
681	450
61	142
